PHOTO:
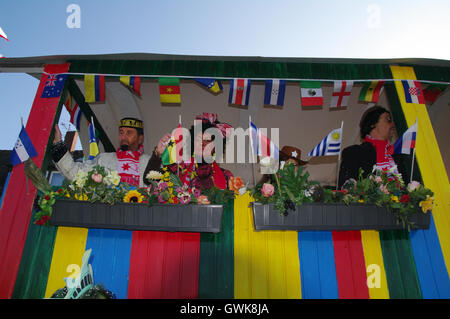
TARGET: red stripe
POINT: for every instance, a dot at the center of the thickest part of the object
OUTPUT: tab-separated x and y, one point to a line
376	91
163	89
15	212
239	93
420	96
312	101
350	265
137	85
164	265
102	87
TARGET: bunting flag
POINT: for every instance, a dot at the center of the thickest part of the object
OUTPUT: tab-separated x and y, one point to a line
239	91
93	146
3	34
212	85
413	92
23	149
407	141
54	85
274	92
261	144
94	88
371	91
74	111
169	90
432	92
330	145
311	93
133	83
174	149
341	93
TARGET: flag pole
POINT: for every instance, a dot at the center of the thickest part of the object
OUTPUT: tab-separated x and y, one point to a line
339	157
178	164
414	154
251	151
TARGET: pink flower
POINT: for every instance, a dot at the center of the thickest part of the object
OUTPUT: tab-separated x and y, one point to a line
161	199
97	178
413	186
378	179
384	189
203	200
267	190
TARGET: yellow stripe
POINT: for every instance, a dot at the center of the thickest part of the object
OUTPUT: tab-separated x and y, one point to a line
170	98
125	80
69	248
429	160
376	273
89	88
369	93
266	263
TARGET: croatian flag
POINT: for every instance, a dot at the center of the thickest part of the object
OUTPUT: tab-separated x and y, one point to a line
330	145
23	149
261	144
413	92
407	142
239	91
274	93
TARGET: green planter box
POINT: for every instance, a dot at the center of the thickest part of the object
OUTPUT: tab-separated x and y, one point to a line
160	217
319	216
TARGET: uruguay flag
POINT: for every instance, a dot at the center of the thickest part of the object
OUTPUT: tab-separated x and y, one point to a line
239	91
330	145
413	92
407	142
23	149
274	93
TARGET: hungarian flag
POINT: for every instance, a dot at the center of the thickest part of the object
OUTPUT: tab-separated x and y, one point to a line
3	34
169	90
239	91
274	92
213	85
341	93
371	91
94	88
133	83
74	111
432	92
174	149
311	93
413	92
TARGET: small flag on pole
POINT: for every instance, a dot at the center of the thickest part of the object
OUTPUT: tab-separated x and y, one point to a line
274	92
413	92
74	111
261	144
239	91
94	88
341	93
371	91
23	149
407	141
133	83
174	149
3	34
311	92
330	145
93	146
169	90
213	85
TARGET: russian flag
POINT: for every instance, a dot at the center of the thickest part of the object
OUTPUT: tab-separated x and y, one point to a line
407	141
413	92
261	144
239	91
94	88
23	149
275	91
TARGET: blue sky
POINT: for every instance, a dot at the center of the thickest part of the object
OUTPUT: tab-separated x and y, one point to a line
271	28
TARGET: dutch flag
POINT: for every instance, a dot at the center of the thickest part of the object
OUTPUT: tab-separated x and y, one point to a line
23	149
407	141
330	145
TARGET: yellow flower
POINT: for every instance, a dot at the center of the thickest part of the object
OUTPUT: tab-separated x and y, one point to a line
83	197
394	198
427	204
170	184
133	196
360	200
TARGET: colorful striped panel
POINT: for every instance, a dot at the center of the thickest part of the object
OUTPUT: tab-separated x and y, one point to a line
216	271
350	266
266	263
317	268
433	275
164	265
110	258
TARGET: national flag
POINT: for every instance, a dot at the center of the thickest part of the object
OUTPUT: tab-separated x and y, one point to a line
3	34
94	88
274	92
54	85
74	111
169	90
371	91
174	149
23	149
413	92
341	93
432	92
93	146
133	83
330	145
407	141
239	91
311	93
212	85
261	144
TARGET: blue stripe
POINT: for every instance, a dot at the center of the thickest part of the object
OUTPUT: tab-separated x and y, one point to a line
4	188
230	96
247	94
268	92
324	145
430	264
132	81
110	258
97	87
317	267
406	89
281	92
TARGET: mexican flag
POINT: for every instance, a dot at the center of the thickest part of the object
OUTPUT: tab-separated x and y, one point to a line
371	91
169	90
311	93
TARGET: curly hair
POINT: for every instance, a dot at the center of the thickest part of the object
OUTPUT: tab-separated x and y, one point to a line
370	118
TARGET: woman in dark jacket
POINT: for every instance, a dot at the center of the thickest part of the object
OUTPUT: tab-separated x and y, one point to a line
376	129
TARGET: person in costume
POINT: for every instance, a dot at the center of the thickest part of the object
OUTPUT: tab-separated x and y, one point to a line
198	172
129	160
376	130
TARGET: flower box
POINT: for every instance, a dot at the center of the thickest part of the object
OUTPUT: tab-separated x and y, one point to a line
159	217
319	216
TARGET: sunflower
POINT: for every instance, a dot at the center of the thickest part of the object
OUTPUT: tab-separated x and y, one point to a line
133	196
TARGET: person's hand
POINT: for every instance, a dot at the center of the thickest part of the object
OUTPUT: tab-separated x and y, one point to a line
58	135
162	144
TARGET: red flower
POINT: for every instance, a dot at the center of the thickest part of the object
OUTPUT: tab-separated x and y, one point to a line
175	200
47	197
43	220
204	171
59	190
404	198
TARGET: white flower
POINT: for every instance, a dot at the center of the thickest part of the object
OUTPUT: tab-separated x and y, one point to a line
413	186
242	190
265	162
80	178
112	178
154	175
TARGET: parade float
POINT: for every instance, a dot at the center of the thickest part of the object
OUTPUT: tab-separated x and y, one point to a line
247	243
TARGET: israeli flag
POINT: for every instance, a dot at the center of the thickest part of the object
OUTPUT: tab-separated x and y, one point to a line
330	145
23	149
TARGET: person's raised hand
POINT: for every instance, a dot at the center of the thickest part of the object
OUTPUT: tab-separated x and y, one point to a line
162	144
